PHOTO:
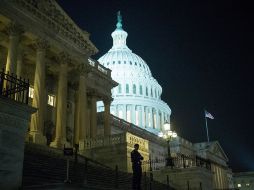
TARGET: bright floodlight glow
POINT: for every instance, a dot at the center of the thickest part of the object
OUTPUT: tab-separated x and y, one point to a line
174	135
166	126
170	133
160	134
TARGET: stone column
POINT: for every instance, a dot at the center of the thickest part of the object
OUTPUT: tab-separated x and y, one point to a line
143	116
151	117
124	112
14	35
162	119
147	116
157	120
61	106
154	118
93	116
37	120
107	127
133	114
81	112
76	120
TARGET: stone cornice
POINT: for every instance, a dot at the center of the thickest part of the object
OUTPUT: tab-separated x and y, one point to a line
54	17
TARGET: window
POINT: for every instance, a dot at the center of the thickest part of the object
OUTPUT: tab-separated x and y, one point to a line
140	90
146	91
31	92
127	88
155	93
151	92
134	89
51	100
119	62
130	62
119	88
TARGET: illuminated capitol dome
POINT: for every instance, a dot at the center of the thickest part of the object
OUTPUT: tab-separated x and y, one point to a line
137	98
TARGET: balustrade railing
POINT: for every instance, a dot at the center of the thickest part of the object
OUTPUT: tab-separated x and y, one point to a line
13	87
99	67
180	161
105	141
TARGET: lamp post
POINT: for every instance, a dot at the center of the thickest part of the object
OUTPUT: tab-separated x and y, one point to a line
168	135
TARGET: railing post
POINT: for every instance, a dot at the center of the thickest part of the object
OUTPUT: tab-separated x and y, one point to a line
151	175
116	177
27	91
85	172
145	182
188	185
168	182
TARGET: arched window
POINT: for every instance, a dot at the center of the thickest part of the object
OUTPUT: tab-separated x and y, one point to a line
119	89
127	89
146	91
140	90
134	89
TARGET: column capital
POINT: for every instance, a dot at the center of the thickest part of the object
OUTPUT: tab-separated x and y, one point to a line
15	29
107	100
63	57
41	44
84	69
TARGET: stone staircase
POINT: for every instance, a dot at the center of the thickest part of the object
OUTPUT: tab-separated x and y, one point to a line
45	168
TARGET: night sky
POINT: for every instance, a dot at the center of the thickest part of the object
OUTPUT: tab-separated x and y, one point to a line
200	52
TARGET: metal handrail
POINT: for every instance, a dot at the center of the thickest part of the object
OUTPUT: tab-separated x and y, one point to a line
13	87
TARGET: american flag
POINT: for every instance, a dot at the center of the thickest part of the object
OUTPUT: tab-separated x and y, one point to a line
207	114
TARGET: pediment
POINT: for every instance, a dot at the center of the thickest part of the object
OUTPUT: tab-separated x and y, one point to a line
217	150
55	17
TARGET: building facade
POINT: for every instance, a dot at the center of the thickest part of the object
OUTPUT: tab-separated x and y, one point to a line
137	98
39	42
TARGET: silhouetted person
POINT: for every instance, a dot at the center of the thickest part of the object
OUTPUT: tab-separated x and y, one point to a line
136	167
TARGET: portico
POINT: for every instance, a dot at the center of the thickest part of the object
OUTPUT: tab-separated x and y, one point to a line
54	54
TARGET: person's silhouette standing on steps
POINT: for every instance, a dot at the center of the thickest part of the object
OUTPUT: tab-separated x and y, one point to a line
136	167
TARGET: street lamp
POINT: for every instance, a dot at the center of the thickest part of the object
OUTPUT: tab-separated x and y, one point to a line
168	135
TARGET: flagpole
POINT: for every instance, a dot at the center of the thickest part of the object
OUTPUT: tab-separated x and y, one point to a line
206	129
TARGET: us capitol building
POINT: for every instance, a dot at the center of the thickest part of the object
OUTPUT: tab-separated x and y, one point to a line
103	106
137	98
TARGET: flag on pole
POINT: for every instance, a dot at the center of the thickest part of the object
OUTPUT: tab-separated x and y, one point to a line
207	114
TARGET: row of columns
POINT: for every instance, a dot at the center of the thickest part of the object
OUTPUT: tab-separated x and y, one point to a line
220	177
82	130
147	116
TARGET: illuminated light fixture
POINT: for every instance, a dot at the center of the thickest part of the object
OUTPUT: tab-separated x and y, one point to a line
168	135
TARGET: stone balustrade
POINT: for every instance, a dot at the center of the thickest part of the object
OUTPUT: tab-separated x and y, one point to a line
105	141
99	67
